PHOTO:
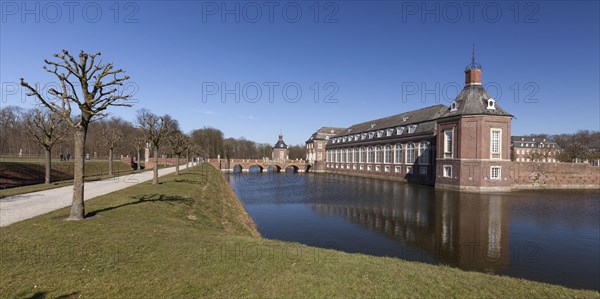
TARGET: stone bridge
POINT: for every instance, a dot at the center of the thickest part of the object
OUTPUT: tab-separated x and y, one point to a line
260	165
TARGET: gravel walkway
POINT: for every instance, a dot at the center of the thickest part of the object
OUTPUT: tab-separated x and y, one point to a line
20	207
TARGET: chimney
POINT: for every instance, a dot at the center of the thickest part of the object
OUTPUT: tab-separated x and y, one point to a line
473	71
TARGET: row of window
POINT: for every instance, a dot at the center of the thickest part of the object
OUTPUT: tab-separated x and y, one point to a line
539	145
495	172
370	135
495	143
377	154
423	169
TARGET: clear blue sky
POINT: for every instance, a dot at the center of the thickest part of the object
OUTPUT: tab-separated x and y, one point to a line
372	53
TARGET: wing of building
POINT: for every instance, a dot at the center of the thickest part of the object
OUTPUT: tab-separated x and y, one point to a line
464	146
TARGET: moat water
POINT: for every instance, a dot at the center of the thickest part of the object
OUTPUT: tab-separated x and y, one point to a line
547	236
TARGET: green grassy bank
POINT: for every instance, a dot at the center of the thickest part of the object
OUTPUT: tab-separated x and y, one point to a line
190	237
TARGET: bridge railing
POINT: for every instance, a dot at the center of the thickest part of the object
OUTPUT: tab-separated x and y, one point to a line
256	161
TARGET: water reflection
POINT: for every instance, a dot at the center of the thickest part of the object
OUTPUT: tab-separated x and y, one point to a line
545	236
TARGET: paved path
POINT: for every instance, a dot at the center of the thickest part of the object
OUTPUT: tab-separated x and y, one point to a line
20	207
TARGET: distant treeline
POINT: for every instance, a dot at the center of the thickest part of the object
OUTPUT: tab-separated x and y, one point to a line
210	141
584	145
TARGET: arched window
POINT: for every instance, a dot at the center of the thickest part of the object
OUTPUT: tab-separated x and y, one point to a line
362	154
327	156
343	155
387	157
410	153
369	154
424	153
338	155
398	153
378	154
355	160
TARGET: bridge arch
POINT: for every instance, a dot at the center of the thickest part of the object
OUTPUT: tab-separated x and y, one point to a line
238	168
292	168
274	168
255	168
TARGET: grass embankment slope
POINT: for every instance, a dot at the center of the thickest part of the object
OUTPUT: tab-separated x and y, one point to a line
191	237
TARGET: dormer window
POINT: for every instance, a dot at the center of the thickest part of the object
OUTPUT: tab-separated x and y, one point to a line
405	118
373	126
356	137
350	137
389	132
453	106
399	130
411	129
371	134
344	139
363	136
379	133
491	104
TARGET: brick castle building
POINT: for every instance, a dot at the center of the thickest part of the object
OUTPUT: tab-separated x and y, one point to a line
465	146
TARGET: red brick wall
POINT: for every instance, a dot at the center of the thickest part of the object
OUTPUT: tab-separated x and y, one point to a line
165	161
533	175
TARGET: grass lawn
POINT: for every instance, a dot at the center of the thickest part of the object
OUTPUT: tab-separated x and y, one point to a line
190	237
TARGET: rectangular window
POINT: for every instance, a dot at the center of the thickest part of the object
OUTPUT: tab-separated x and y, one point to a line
496	143
369	168
387	168
320	145
397	169
447	171
495	172
361	167
377	168
448	143
320	155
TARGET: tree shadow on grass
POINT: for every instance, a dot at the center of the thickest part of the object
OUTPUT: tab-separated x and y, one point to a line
170	199
42	295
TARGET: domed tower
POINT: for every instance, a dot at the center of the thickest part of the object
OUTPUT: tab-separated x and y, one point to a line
280	150
473	140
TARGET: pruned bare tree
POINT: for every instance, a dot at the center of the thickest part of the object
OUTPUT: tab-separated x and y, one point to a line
46	129
156	128
92	87
180	143
111	138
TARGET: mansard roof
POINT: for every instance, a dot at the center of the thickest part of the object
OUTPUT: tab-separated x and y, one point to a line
407	118
473	100
530	141
323	133
280	144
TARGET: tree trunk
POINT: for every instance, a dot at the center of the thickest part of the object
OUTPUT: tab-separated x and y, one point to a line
155	179
177	164
138	159
77	207
110	161
48	165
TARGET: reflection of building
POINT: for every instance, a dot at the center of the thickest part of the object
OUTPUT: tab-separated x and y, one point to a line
532	149
315	145
464	230
280	150
465	146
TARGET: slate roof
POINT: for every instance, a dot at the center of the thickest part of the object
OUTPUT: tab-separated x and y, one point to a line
280	144
528	141
473	100
321	133
421	116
